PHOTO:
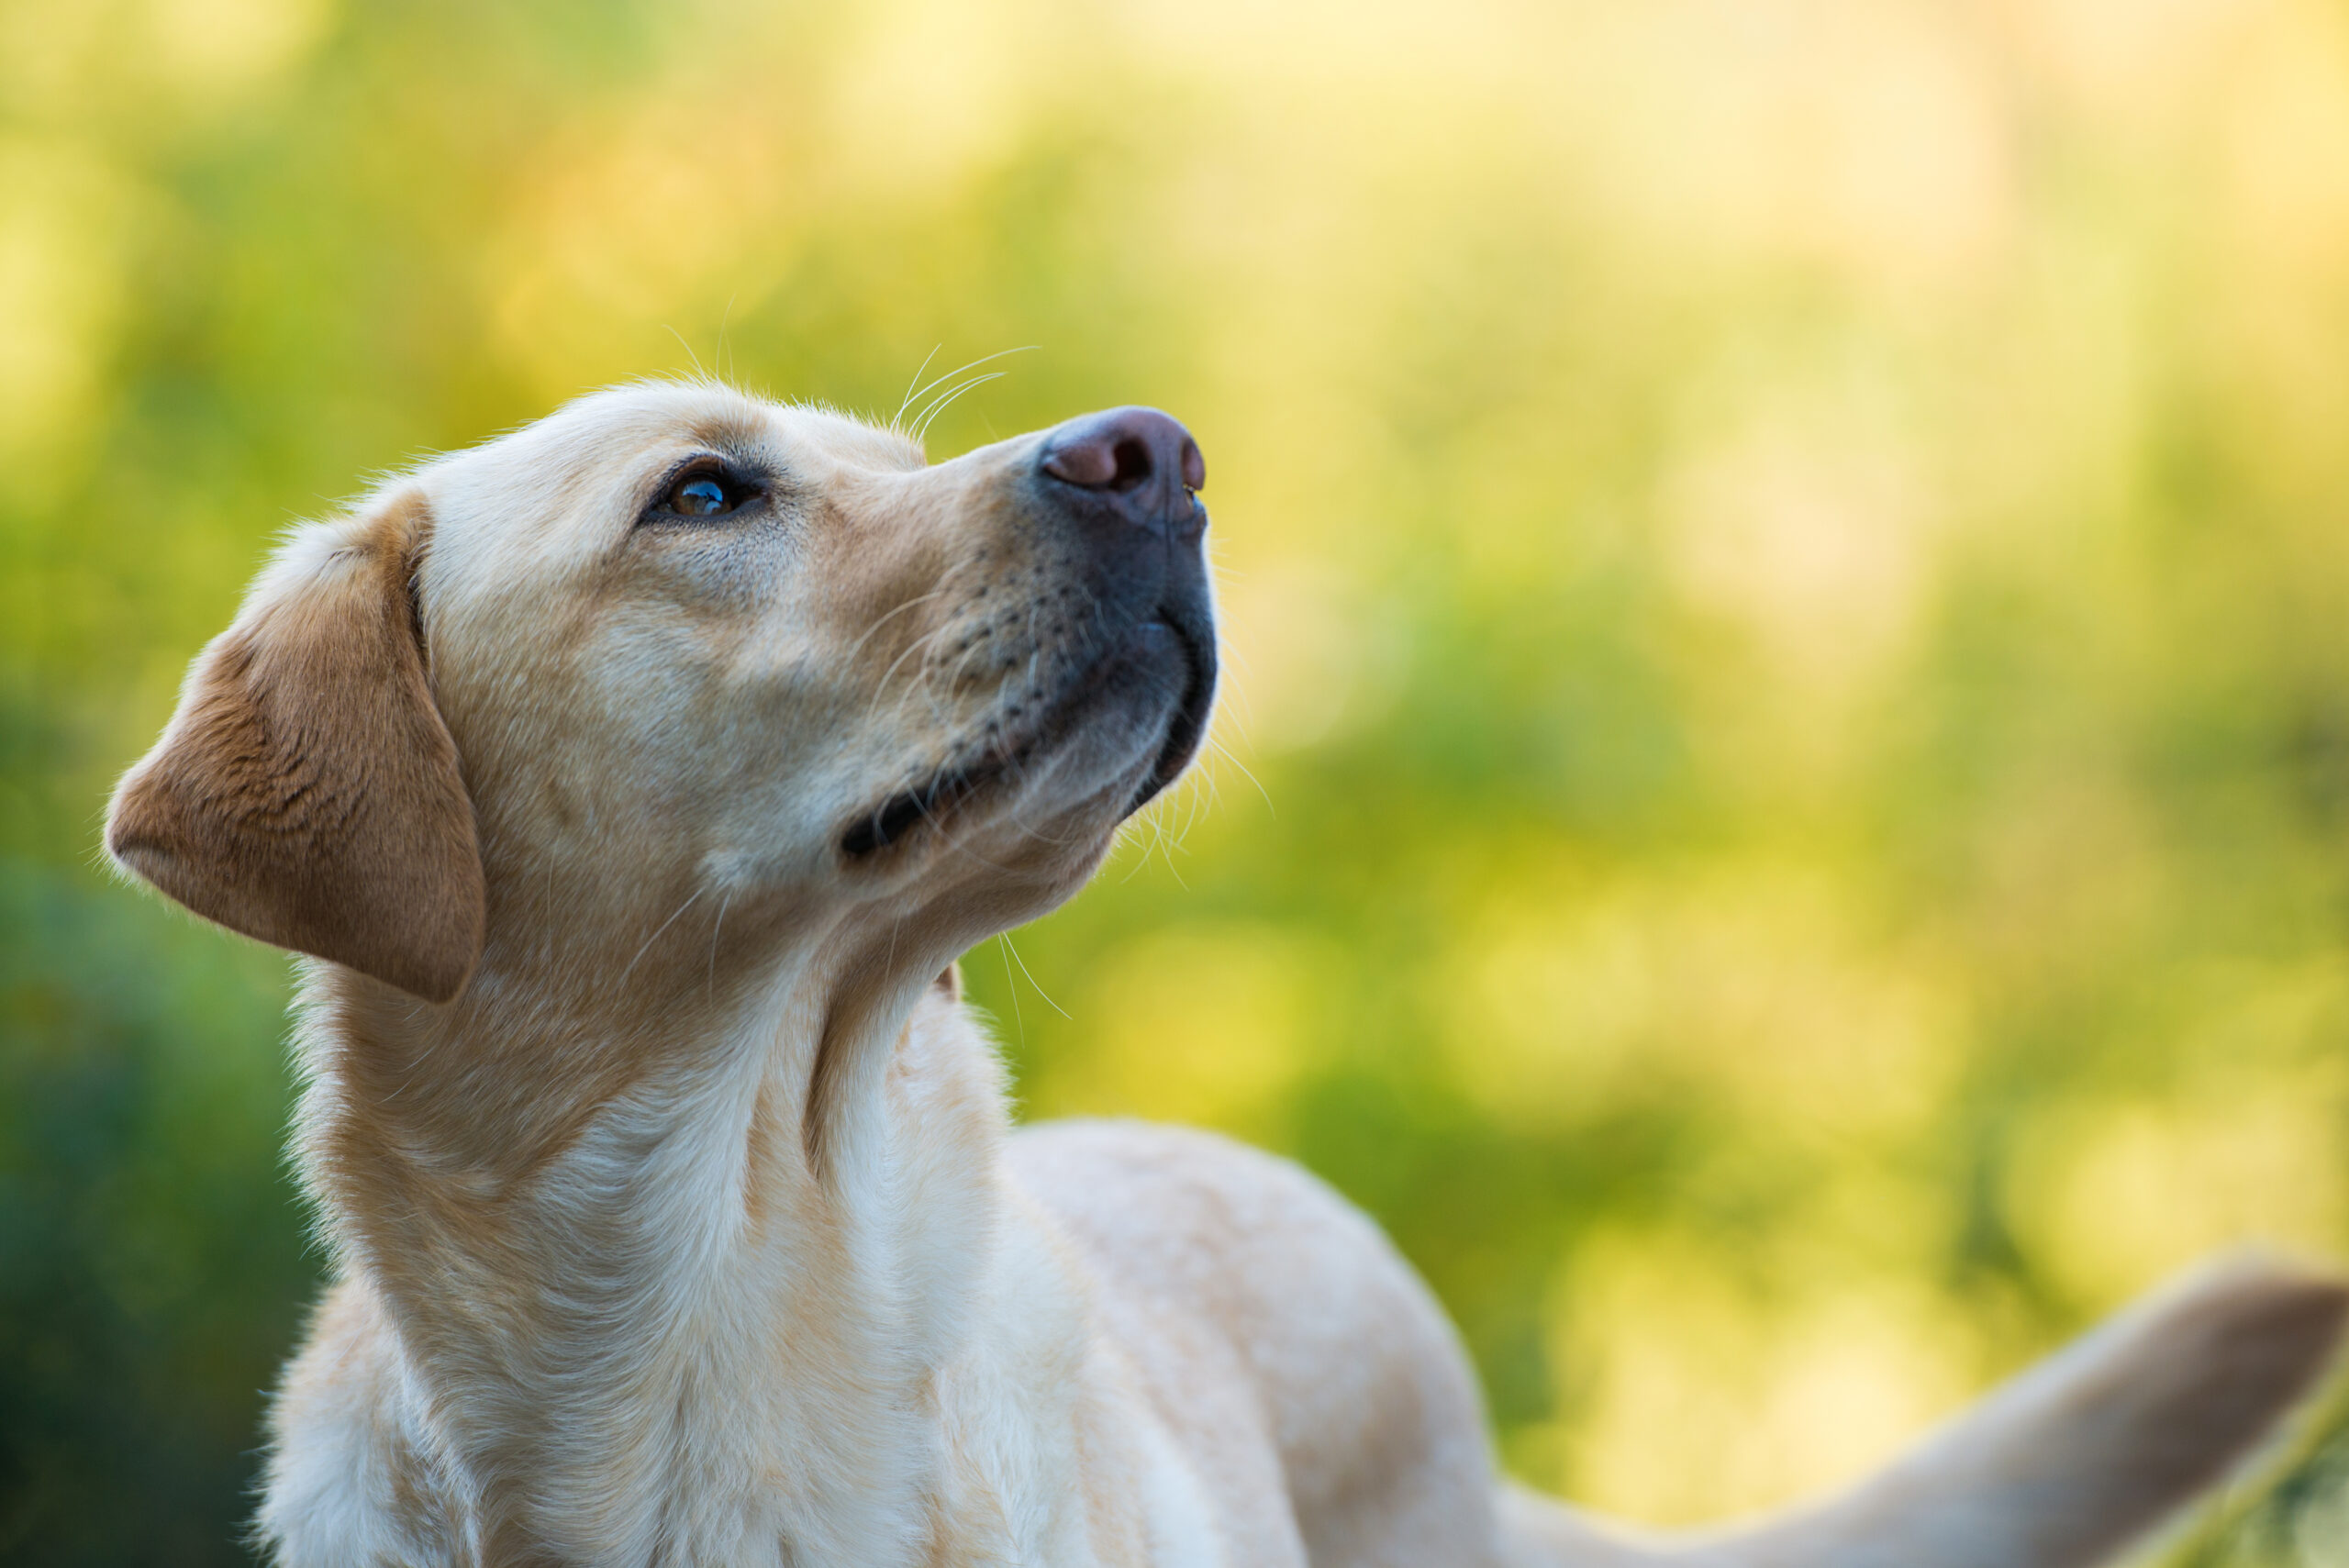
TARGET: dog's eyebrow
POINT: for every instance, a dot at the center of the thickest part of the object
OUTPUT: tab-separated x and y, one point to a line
748	444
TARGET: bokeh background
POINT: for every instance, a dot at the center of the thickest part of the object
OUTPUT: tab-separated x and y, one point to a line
1783	814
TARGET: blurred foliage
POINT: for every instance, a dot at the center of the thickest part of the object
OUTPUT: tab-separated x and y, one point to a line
1783	817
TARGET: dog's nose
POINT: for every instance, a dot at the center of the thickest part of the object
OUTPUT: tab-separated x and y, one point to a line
1143	463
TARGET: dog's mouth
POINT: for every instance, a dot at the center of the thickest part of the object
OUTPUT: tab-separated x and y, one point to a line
939	798
929	803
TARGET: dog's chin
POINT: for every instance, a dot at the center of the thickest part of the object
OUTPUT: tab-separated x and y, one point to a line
1125	730
1192	648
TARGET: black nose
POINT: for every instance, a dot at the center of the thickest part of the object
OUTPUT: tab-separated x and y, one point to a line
1142	462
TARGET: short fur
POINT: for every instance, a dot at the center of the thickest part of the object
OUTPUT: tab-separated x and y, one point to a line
306	793
677	1214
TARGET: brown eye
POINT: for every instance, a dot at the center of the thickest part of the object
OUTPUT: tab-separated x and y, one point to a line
702	497
704	494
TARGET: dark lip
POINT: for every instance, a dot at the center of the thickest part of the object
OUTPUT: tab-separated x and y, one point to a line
933	799
1191	713
901	813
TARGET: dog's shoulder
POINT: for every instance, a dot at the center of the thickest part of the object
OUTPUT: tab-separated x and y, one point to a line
1184	1215
1363	1393
1108	1174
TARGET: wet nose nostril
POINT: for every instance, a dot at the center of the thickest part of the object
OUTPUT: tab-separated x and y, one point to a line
1132	465
1136	461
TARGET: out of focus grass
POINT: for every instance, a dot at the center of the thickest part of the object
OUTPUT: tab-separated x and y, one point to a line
1782	818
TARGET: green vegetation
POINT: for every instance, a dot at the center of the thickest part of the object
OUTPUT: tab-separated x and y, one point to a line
1783	814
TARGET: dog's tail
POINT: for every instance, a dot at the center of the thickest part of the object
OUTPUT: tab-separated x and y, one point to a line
2078	1458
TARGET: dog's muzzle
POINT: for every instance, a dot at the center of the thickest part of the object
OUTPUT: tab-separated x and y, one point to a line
1118	491
1132	477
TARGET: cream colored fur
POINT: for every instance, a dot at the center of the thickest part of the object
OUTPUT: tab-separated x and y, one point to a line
690	1228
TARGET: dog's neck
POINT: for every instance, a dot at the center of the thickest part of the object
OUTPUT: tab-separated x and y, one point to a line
728	1233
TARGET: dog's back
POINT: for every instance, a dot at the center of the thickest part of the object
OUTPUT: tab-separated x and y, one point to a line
1227	1265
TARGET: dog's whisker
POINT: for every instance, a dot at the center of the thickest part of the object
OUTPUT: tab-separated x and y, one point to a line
919	649
1216	749
1011	988
947	399
690	899
959	370
689	348
1012	948
913	604
906	402
716	928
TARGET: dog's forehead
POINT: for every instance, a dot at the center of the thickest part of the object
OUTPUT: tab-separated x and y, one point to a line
569	484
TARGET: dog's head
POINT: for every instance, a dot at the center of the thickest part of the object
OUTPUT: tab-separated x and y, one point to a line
673	642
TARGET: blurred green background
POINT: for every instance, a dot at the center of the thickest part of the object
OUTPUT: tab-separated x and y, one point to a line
1782	818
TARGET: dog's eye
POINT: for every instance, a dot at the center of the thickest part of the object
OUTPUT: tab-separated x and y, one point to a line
705	494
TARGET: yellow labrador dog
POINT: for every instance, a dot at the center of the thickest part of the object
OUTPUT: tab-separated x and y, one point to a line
634	781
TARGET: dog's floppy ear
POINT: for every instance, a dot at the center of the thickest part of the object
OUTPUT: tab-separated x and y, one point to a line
306	792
